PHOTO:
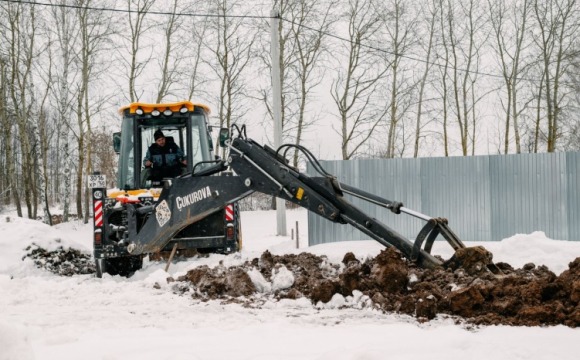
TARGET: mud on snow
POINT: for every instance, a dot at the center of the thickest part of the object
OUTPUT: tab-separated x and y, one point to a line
463	288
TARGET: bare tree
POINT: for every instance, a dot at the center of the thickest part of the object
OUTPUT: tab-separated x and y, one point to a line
287	62
444	70
431	20
509	46
66	28
465	35
573	136
21	54
558	26
196	33
95	32
138	27
231	49
171	55
356	82
301	33
39	126
105	157
456	81
5	125
309	30
399	25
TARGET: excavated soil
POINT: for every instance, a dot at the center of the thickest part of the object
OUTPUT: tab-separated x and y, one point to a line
463	288
64	262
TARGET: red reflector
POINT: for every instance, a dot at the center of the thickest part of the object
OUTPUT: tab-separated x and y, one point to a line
98	238
230	232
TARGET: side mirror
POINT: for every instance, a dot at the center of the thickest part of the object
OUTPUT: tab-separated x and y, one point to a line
117	142
224	135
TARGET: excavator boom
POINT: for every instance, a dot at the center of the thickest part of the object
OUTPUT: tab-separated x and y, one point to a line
191	197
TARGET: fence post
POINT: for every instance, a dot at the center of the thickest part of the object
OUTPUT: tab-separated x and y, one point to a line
297	237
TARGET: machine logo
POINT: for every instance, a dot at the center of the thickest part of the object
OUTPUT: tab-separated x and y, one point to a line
162	213
192	198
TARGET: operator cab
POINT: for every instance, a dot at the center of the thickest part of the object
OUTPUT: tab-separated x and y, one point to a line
184	123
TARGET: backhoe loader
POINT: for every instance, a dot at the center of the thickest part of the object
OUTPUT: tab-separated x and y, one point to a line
188	210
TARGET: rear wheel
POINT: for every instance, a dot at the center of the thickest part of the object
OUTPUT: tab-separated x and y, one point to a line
220	250
124	266
239	240
100	267
212	250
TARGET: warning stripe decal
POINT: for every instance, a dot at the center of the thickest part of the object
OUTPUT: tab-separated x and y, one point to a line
98	213
230	212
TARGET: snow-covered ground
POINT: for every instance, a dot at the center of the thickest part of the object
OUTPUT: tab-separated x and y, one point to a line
45	316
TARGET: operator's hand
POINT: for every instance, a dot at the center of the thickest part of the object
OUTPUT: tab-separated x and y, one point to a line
184	162
148	163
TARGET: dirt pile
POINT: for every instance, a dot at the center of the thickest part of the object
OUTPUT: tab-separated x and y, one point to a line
529	296
64	262
219	282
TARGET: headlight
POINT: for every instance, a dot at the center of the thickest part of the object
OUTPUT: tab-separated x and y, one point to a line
139	111
155	112
167	112
183	110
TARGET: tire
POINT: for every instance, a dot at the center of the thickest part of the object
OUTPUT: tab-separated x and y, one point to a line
218	250
239	241
205	251
123	266
100	267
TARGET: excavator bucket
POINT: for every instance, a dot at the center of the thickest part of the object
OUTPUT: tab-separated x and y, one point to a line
429	233
435	226
439	226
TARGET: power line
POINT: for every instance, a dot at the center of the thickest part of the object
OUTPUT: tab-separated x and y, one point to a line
411	57
130	11
387	51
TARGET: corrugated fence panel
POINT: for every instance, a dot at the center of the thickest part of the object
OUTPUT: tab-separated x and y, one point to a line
398	179
457	188
484	197
529	193
322	231
573	180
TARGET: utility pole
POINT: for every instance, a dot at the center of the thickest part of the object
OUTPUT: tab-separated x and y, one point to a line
277	109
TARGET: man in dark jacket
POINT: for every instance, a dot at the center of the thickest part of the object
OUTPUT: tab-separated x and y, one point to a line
163	159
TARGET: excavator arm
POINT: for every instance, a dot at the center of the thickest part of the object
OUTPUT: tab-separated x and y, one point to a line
191	197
